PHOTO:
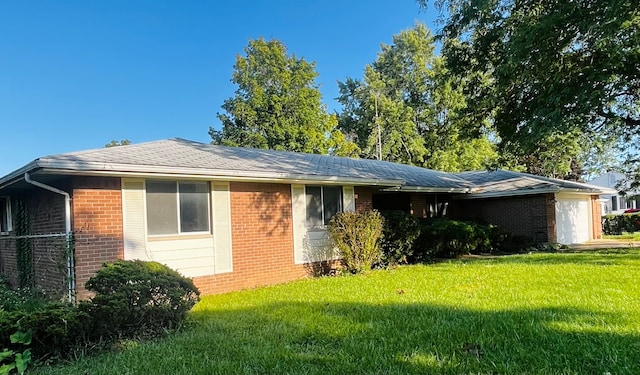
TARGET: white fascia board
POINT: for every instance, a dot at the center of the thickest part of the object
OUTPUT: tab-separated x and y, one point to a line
515	193
425	189
17	175
219	175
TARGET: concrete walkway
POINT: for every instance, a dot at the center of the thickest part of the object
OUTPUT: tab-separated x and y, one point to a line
604	244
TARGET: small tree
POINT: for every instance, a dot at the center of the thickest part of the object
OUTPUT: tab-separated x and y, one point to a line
357	237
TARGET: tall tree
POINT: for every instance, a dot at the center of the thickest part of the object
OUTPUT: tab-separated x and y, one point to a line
277	105
406	108
547	68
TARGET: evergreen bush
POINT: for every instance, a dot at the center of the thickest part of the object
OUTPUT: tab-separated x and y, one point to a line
138	298
399	235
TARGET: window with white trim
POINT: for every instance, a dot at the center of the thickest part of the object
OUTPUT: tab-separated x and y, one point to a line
5	215
177	207
322	203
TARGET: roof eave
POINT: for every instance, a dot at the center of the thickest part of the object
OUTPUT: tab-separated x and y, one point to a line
513	193
18	174
208	174
424	189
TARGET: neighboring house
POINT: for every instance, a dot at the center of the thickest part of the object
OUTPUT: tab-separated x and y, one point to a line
615	203
234	218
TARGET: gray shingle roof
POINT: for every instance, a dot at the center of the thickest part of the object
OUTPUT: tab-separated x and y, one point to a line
501	183
183	157
179	157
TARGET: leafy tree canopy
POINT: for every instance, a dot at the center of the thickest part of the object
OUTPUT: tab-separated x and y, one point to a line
544	69
115	143
406	109
278	105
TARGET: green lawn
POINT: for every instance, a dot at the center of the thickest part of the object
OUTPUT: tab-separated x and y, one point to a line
635	236
575	313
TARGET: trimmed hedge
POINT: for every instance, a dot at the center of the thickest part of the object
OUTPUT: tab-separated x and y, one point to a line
444	238
616	224
138	298
409	240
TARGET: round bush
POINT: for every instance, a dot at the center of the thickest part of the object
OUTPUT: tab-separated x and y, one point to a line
138	298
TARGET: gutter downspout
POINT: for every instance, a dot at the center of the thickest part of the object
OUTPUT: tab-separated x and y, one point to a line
68	234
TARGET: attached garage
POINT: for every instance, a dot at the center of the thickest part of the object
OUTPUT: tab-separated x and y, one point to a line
573	219
543	209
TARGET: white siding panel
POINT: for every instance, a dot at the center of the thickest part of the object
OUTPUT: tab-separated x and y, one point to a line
190	257
299	218
221	204
133	220
317	246
348	198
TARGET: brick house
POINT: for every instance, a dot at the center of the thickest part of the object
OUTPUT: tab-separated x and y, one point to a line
234	218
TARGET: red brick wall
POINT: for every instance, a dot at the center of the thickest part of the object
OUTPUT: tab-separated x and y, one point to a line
364	198
8	261
262	239
532	216
262	235
97	224
46	216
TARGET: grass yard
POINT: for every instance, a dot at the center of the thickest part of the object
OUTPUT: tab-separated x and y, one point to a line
634	236
574	313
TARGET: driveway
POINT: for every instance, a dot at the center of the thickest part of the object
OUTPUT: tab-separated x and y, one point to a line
604	244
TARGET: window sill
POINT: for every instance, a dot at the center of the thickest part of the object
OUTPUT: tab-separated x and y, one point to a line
176	237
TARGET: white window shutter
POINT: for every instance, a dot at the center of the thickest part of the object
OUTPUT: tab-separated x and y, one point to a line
298	210
348	199
221	203
134	220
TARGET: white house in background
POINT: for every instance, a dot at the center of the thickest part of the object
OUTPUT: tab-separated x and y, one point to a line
614	204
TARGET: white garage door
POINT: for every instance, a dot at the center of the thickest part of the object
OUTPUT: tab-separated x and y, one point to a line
572	220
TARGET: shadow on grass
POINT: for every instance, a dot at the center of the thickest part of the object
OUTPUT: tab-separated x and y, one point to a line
339	338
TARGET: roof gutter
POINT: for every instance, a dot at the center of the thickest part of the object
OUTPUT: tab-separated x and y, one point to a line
68	234
226	175
420	189
514	193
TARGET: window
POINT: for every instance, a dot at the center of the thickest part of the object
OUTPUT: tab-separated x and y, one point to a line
323	202
5	215
177	207
614	203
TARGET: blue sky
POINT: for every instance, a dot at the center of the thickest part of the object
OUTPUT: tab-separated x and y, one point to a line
76	74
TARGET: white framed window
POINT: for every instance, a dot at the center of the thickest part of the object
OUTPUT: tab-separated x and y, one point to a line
6	224
177	207
322	203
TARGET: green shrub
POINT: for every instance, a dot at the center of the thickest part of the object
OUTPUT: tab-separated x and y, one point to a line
26	299
616	224
445	238
399	236
135	298
357	236
57	328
